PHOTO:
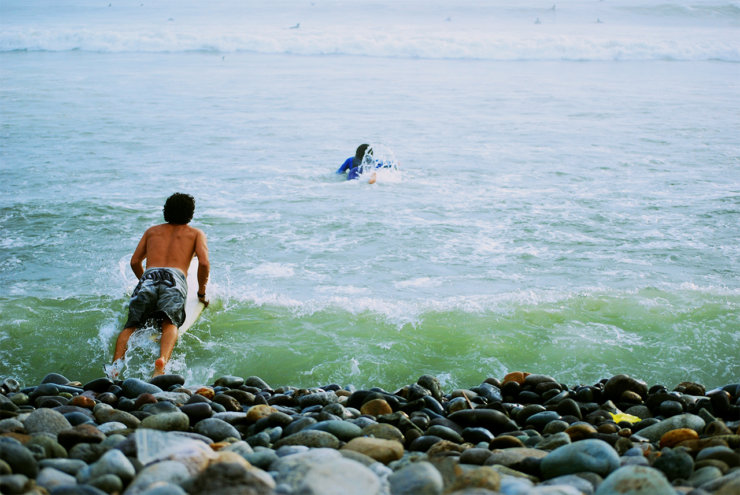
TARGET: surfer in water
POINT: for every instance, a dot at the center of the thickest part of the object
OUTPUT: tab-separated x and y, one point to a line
353	165
168	249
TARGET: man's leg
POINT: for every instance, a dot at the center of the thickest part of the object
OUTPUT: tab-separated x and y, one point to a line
114	369
166	344
122	343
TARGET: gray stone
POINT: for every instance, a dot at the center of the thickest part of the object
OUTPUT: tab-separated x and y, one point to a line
241	447
174	421
512	456
88	452
582	485
174	397
110	427
511	485
618	384
310	438
162	488
419	478
216	429
133	387
113	462
633	460
343	430
43	444
46	421
554	441
230	381
109	483
445	433
635	480
105	414
165	471
654	432
69	466
7	404
325	472
77	490
232	477
19	458
674	464
705	475
255	381
165	382
262	458
591	455
318	399
541	419
555	490
14	483
714	485
51	478
11	425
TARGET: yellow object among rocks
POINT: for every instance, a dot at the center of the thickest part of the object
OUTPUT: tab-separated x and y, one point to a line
620	416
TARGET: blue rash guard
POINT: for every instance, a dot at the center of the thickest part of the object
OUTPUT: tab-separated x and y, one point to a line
354	172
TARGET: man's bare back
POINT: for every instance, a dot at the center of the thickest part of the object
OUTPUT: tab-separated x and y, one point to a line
173	246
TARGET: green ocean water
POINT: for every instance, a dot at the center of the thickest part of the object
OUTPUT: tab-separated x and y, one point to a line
662	337
568	200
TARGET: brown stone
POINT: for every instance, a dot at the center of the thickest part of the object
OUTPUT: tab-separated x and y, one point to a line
381	450
444	447
580	431
376	407
674	437
82	401
255	413
505	442
82	433
484	477
206	392
515	376
383	430
144	399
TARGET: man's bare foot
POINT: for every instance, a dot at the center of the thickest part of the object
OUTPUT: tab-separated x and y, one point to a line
159	365
114	369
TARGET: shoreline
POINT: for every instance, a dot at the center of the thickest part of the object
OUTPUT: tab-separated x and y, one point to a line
519	434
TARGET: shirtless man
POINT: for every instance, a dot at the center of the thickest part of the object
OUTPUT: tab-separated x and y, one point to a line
162	290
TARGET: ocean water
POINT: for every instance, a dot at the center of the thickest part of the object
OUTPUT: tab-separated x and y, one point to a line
567	202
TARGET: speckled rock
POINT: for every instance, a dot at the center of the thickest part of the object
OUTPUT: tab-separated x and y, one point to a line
635	480
325	472
46	421
161	472
175	421
418	478
310	438
381	450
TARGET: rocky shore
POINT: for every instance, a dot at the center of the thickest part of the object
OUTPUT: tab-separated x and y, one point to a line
521	434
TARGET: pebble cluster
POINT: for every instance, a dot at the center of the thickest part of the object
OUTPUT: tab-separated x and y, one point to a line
523	434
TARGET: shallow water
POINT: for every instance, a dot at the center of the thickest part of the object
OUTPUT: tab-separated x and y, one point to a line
570	211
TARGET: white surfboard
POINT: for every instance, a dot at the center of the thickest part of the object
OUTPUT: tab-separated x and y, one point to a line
193	306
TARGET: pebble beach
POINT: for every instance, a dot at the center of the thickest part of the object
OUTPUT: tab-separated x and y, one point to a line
518	434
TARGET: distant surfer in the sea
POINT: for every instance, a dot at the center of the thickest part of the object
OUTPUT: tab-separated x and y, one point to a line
355	165
162	290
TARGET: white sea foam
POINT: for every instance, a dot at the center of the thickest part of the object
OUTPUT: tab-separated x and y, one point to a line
273	270
467	30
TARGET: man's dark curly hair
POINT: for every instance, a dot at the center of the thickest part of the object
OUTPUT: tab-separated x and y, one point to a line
179	208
